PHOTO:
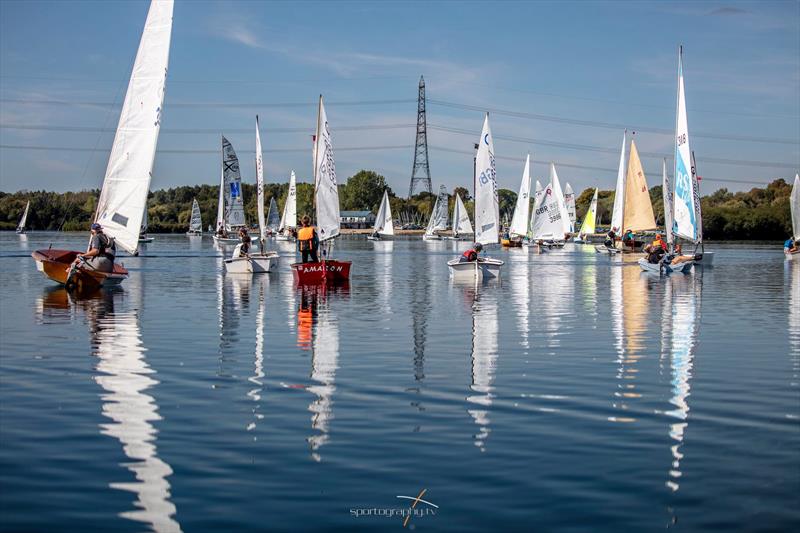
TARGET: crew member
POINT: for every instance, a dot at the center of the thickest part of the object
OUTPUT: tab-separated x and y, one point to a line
245	238
610	237
471	254
307	241
102	251
675	257
790	246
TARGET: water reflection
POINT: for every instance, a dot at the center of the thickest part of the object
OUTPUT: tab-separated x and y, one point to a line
258	361
419	282
521	295
485	332
793	273
555	289
126	379
630	316
318	330
682	310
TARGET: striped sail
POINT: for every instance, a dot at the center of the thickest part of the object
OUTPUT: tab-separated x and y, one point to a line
196	222
123	197
685	220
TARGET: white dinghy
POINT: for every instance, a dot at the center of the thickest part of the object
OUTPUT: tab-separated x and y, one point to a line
196	221
588	226
383	222
794	205
461	224
255	263
230	213
438	220
487	213
619	202
24	219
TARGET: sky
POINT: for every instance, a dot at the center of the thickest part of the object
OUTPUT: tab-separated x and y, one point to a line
560	80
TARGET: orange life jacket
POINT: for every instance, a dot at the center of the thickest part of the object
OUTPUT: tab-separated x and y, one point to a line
305	237
470	255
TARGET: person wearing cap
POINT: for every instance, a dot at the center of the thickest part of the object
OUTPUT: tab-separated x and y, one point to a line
101	253
471	254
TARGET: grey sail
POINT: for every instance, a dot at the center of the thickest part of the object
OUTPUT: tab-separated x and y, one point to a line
273	218
232	181
196	222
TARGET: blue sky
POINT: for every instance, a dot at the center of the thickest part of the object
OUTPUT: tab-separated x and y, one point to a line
573	70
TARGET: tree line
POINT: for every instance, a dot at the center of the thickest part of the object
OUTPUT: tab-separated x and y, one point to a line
758	214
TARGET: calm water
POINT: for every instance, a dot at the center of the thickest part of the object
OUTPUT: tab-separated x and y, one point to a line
578	394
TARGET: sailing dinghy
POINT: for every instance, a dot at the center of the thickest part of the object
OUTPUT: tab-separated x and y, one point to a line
461	224
326	199
230	213
196	222
551	219
619	202
637	210
289	218
123	197
588	226
487	213
569	200
273	219
438	220
24	219
254	263
794	206
519	220
143	237
383	222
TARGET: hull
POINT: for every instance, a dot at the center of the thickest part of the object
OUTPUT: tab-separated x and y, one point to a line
487	268
282	237
55	264
255	264
606	250
665	269
325	271
194	233
706	259
792	255
226	240
145	239
434	237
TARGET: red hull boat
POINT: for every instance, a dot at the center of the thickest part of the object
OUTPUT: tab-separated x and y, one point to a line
325	271
55	264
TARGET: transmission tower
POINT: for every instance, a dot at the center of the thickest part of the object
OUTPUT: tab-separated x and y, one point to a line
421	173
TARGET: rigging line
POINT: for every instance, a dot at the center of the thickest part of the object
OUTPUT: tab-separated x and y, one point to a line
202	150
31	101
201	131
589	148
214	81
607	125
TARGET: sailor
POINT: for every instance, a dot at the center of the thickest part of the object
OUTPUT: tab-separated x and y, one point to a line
245	238
790	246
610	236
658	242
221	230
471	254
675	257
307	241
102	251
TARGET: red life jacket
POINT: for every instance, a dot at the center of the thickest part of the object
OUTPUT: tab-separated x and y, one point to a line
470	255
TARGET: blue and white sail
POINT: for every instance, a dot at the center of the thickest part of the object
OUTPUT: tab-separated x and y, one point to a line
487	210
685	219
262	229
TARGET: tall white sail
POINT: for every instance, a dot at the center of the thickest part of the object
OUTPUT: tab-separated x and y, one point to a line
130	164
221	200
262	229
698	214
794	205
383	222
619	194
289	217
461	223
566	226
537	195
519	222
439	213
326	189
685	221
432	222
547	223
569	200
232	179
24	219
590	220
196	222
666	191
487	210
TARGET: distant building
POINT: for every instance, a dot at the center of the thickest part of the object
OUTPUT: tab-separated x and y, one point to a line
356	219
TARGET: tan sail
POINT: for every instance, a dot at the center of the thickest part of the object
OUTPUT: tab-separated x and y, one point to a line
638	214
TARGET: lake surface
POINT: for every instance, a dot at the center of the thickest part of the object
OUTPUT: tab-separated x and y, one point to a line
577	394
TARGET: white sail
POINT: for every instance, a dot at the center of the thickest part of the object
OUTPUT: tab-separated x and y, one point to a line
619	194
262	229
487	210
519	222
537	195
461	223
666	191
590	220
196	222
547	222
289	217
145	221
558	195
123	197
432	221
24	219
383	222
685	221
234	199
569	200
439	213
273	222
221	200
794	205
326	189
698	214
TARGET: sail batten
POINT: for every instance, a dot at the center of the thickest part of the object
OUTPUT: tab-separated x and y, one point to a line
123	197
487	211
519	221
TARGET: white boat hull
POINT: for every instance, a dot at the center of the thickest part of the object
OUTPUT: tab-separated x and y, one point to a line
282	237
658	268
484	268
606	250
256	264
226	240
434	237
791	255
145	239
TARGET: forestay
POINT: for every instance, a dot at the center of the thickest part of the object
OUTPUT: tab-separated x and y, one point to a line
638	213
232	178
130	165
619	192
685	223
461	223
383	222
326	189
519	222
487	212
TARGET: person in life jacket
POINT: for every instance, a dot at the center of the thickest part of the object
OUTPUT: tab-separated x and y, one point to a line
307	241
246	240
101	253
655	250
471	254
676	256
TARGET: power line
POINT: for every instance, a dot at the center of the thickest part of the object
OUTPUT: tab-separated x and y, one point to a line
201	131
31	101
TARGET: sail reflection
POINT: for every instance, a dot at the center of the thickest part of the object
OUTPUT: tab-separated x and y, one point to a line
629	315
521	295
682	310
485	332
555	289
258	365
793	271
